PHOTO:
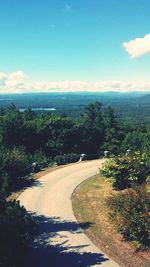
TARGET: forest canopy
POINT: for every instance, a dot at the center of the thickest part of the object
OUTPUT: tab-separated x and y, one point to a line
27	137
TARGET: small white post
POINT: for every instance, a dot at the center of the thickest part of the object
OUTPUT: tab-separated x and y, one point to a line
127	152
81	157
106	153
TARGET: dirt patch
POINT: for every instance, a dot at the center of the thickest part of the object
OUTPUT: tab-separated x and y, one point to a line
88	203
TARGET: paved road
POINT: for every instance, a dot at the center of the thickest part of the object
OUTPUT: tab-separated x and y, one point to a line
60	241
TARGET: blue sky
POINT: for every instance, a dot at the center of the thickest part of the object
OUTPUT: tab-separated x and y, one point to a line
67	44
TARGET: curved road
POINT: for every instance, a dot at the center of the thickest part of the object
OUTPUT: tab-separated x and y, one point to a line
60	241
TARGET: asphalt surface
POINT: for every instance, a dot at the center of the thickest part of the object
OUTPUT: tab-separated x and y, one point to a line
60	241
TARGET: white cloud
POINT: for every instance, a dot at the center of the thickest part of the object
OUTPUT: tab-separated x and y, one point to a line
78	86
138	47
3	78
15	79
12	82
16	82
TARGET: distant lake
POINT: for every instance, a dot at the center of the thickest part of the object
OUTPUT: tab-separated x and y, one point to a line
5	99
38	109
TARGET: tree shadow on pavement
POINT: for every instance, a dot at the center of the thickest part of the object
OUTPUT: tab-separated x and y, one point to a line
25	183
55	224
45	253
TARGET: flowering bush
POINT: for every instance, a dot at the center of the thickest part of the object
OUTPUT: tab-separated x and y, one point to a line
126	170
130	210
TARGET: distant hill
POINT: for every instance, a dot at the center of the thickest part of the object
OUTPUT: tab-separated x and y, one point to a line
130	106
145	97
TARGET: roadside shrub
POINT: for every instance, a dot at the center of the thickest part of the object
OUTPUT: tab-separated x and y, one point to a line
12	163
40	158
67	158
16	230
130	211
126	170
5	184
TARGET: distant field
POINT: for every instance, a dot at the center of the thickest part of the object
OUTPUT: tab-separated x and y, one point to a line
130	106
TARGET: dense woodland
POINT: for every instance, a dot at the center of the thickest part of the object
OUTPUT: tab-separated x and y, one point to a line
27	137
133	106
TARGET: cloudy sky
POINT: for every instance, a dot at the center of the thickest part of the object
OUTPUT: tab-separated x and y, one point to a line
76	45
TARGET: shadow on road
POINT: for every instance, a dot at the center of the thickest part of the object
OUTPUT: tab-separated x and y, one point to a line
45	253
25	183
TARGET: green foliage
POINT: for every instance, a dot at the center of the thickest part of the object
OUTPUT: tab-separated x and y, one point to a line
11	127
92	117
16	230
67	158
130	211
134	140
45	136
112	132
91	128
12	162
58	135
40	158
29	114
5	186
126	170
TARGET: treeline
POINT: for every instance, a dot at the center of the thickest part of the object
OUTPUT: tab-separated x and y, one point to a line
26	137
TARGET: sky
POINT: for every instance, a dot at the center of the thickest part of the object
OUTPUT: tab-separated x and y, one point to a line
76	45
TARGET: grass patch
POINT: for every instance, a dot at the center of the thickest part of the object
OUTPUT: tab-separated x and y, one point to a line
89	205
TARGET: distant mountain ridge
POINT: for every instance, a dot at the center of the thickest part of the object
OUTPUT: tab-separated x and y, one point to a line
128	105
